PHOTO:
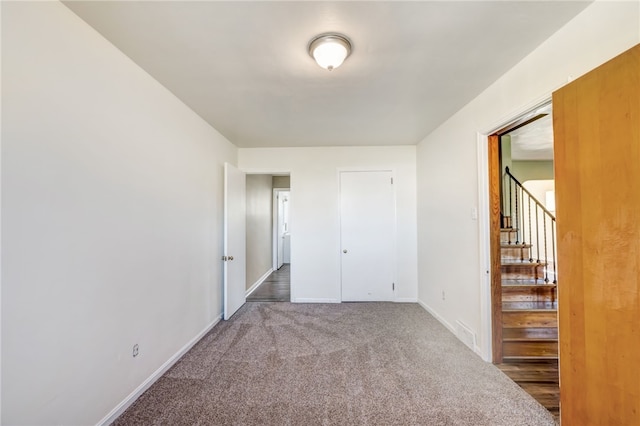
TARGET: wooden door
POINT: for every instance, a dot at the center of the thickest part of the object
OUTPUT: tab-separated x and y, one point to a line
596	122
367	227
235	217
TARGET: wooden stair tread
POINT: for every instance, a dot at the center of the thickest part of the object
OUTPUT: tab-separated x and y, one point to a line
538	371
527	283
529	311
523	263
530	333
529	306
531	358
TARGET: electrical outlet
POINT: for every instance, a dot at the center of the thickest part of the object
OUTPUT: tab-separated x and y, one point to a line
136	350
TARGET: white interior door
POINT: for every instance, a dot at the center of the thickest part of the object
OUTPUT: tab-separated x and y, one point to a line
234	259
367	226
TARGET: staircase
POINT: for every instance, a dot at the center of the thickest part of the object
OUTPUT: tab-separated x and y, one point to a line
524	294
529	306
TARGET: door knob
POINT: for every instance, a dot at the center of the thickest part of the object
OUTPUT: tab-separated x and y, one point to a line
230	257
344	251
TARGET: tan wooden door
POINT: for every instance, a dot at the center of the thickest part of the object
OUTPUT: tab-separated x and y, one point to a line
596	122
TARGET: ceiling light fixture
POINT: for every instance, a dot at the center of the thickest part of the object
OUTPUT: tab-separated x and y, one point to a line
330	50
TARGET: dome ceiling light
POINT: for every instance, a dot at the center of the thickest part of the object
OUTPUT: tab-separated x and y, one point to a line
330	50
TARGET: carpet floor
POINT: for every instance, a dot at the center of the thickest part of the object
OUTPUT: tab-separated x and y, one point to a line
333	364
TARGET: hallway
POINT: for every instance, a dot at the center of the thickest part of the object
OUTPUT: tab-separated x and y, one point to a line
276	288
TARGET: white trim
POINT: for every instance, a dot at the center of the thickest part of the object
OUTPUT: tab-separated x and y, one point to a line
126	403
516	115
406	300
274	225
274	228
314	300
448	326
433	313
258	282
266	171
485	347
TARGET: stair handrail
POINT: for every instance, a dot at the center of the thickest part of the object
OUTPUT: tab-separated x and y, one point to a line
529	194
520	233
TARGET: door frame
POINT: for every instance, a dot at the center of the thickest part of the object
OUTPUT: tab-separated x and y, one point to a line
281	172
274	225
490	278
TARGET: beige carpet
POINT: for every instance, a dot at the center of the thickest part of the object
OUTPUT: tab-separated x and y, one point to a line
341	364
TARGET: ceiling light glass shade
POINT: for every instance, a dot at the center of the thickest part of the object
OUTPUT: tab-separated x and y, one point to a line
330	50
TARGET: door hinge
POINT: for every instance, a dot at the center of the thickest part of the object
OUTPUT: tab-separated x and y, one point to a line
393	286
391	181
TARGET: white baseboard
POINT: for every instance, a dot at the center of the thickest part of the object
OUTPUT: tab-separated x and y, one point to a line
126	403
476	349
427	308
257	283
406	300
313	300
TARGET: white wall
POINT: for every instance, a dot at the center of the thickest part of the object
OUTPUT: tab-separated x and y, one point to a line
448	240
111	220
315	212
259	227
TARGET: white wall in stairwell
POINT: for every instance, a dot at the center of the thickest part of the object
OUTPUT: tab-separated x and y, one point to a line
315	212
111	220
532	170
448	239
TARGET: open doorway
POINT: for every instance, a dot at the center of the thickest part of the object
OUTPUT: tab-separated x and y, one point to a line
281	236
268	238
524	275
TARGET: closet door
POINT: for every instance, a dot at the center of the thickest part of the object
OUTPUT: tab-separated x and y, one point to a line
367	225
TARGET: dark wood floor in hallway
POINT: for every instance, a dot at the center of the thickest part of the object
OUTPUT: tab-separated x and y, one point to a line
539	379
276	288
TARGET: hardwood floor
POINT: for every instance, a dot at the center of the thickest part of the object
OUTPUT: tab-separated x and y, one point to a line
527	328
539	379
276	288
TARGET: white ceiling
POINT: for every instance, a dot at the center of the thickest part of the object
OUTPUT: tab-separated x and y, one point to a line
244	67
533	141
